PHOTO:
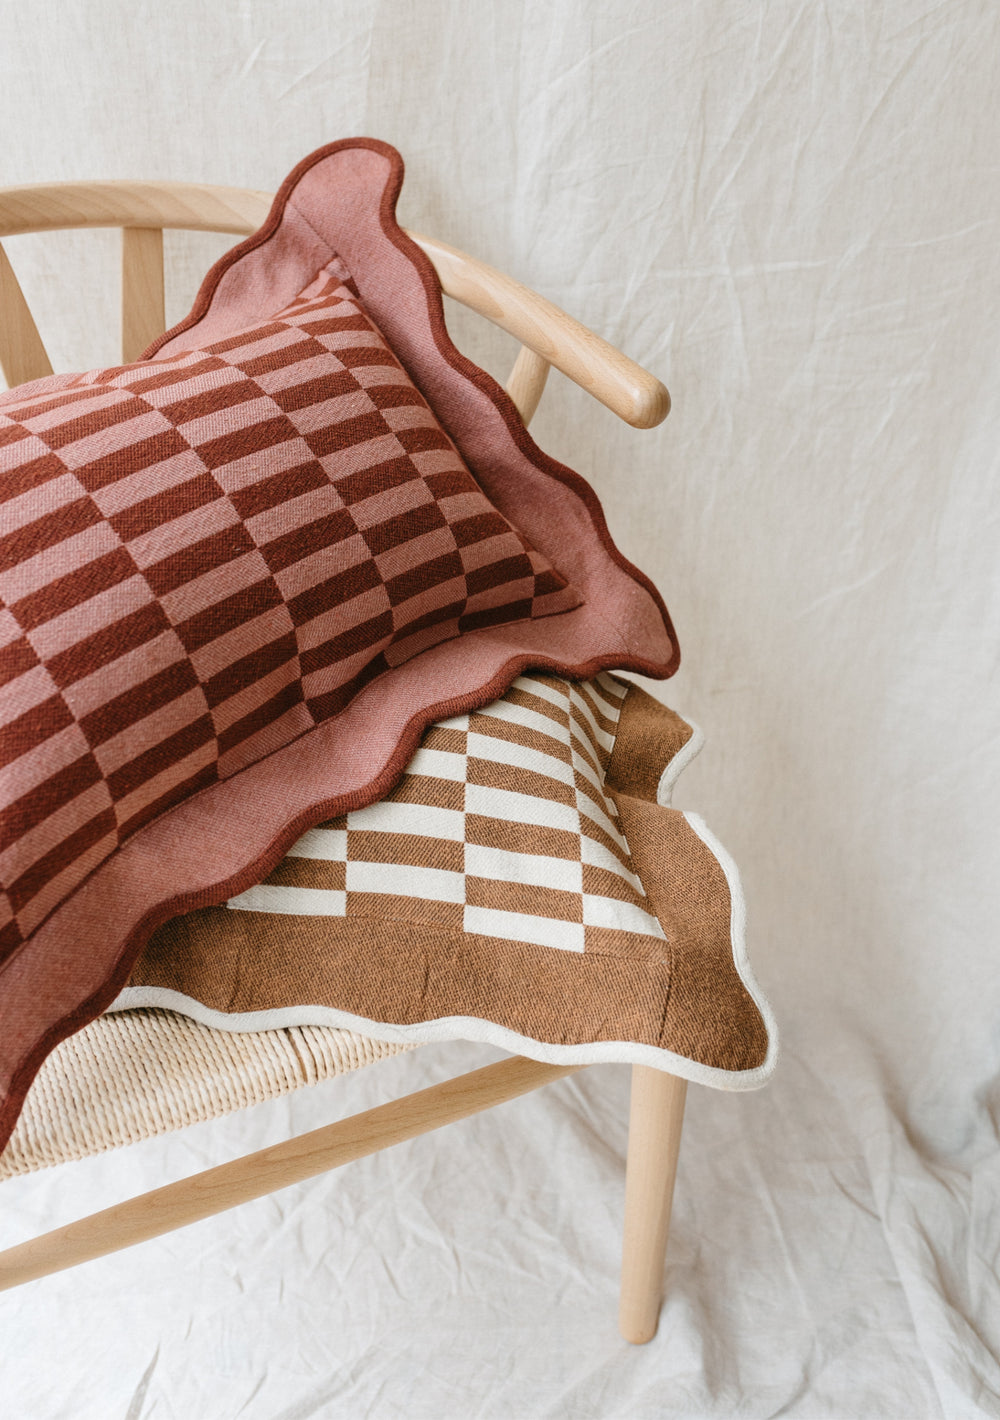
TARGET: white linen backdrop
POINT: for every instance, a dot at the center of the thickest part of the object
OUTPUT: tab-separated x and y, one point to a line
791	212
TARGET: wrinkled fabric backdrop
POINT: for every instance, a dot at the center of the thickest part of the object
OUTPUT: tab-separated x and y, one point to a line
791	213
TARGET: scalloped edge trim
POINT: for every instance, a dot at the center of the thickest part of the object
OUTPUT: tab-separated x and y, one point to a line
675	767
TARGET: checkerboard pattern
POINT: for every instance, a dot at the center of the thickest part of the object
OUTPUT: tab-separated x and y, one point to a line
204	556
501	826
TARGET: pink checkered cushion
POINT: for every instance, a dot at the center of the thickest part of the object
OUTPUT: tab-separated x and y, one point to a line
242	576
206	555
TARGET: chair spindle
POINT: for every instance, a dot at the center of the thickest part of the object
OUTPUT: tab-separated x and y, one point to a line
22	354
527	381
143	317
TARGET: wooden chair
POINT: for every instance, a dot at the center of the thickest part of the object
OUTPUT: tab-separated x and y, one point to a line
549	337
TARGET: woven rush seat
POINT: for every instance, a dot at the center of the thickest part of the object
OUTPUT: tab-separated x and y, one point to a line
135	1074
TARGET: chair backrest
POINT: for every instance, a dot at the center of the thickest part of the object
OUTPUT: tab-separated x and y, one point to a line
143	209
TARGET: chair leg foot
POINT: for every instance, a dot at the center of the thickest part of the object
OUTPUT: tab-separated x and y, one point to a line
654	1139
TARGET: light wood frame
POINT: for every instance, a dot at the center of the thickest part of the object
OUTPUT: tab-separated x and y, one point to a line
548	337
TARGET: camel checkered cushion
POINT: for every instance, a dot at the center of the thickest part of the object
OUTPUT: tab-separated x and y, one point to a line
526	883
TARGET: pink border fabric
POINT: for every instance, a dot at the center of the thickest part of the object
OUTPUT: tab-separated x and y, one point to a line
340	200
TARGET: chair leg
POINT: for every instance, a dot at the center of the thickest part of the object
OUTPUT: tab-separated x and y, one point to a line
654	1138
